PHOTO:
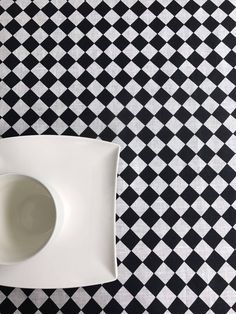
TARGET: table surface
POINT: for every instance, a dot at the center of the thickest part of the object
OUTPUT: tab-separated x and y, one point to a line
158	78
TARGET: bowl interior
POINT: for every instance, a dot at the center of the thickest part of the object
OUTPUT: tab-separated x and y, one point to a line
27	217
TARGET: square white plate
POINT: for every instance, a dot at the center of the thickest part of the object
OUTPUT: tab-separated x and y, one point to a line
83	174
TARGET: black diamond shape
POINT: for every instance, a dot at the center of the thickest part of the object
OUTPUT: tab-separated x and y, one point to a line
67	43
171	238
106	116
153	262
163	115
68	116
148	175
173	261
192	238
139	25
228	23
139	42
191	216
165	135
11	117
30	44
49	9
176	284
30	98
67	26
128	175
67	9
214	58
204	134
129	196
197	284
147	155
157	25
85	9
194	41
160	78
218	95
168	174
225	153
120	8
31	26
177	59
13	26
103	60
67	79
193	24
12	44
85	78
188	174
122	60
140	60
133	285
221	114
175	24
122	78
49	26
199	95
85	26
229	194
48	79
189	195
30	80
166	154
158	59
107	134
67	61
30	62
194	261
71	307
212	238
186	154
146	135
49	117
132	262
27	307
149	196
141	78
191	7
206	153
11	61
102	8
202	114
30	117
113	307
169	195
210	23
154	285
105	97
124	97
32	9
197	77
121	42
11	79
230	40
150	239
215	261
220	306
156	304
218	284
129	217
14	10
176	42
208	174
48	62
130	239
7	307
121	25
103	43
48	44
125	116
127	154
199	306
230	236
49	307
126	135
229	216
87	116
49	98
184	134
104	78
86	97
150	217
134	307
103	25
178	305
209	195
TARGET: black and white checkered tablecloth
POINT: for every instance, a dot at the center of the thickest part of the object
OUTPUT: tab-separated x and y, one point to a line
158	78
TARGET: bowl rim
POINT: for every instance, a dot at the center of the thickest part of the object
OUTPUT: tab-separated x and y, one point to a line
55	224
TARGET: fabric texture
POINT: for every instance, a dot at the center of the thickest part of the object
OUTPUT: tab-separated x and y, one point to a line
158	78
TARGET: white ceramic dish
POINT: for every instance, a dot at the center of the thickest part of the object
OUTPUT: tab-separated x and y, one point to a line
82	173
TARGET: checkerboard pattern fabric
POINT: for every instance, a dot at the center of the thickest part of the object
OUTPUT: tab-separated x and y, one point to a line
158	78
